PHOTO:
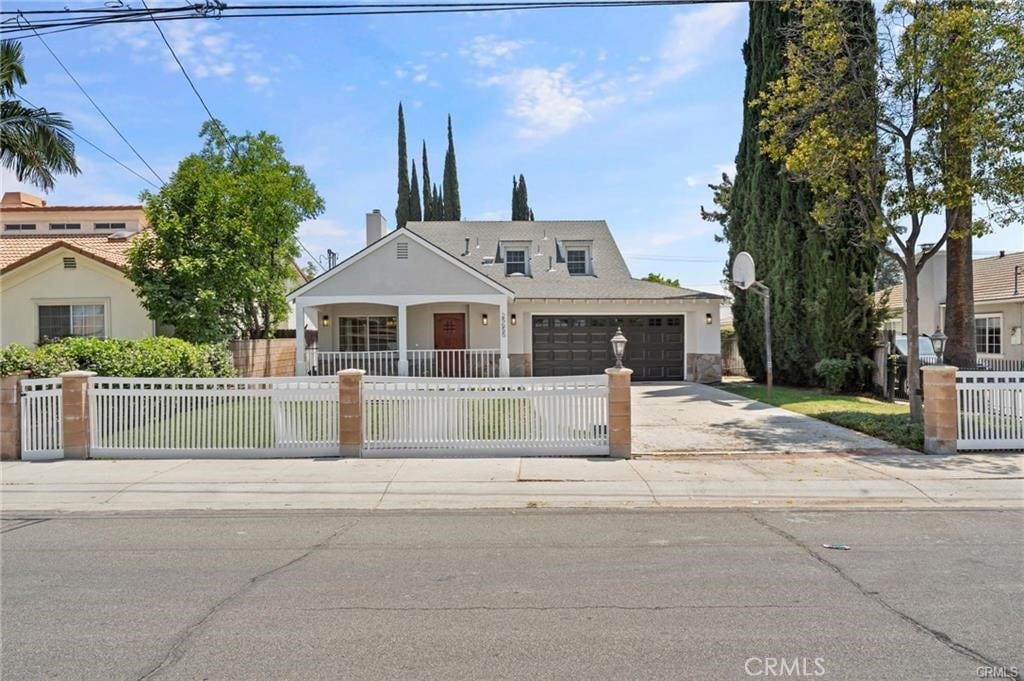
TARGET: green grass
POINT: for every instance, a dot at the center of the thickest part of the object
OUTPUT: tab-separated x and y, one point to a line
884	420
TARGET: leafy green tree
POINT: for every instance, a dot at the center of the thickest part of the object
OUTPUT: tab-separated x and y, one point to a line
428	198
658	279
888	274
220	250
33	142
452	204
942	93
721	196
415	212
404	202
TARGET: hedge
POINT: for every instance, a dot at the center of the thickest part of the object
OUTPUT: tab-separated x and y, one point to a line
156	357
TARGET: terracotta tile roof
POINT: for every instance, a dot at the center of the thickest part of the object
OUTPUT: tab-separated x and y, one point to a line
18	250
993	280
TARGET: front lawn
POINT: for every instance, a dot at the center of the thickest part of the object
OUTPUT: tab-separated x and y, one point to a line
884	420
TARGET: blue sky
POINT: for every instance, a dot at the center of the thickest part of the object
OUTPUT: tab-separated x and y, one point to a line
616	114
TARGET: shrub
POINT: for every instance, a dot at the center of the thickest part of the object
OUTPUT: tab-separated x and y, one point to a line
156	357
835	372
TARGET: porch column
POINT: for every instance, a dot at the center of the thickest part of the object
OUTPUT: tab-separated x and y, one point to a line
300	338
403	341
503	369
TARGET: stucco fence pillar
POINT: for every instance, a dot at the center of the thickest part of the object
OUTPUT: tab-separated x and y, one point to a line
75	403
620	422
10	416
350	412
940	409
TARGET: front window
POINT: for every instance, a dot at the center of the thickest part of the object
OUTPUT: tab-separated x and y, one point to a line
576	260
362	334
109	225
515	262
64	226
61	321
19	227
988	334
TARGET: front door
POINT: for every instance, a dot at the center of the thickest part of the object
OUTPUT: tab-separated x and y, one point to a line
449	334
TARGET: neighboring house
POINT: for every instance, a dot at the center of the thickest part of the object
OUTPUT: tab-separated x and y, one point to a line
998	303
503	298
62	271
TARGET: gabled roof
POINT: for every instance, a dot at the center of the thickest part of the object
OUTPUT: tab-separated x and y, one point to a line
386	239
993	280
16	251
611	278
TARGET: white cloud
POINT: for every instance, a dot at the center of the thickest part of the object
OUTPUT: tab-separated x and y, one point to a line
692	35
487	50
420	77
257	81
691	181
401	73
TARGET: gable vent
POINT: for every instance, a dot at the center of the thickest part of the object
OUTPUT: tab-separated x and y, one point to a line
70	264
402	250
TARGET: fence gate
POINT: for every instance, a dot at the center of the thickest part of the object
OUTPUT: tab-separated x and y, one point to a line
42	419
990	410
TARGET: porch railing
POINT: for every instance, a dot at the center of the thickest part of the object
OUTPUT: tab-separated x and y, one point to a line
470	363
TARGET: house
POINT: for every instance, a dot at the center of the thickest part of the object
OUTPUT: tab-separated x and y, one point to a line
503	298
62	271
998	304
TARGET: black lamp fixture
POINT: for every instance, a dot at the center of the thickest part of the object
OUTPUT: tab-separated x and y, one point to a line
325	321
483	319
938	340
708	319
512	318
618	347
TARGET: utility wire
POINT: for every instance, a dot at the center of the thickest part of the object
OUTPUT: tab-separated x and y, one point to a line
95	105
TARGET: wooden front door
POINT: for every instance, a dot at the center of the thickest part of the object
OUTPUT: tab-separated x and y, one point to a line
449	334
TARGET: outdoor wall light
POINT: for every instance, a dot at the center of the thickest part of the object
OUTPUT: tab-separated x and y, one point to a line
483	319
708	319
325	321
513	319
618	347
938	340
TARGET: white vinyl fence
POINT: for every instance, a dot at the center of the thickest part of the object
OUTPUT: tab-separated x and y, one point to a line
217	417
450	416
42	419
990	410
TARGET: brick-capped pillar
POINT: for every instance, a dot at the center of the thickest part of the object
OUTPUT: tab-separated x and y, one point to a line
10	416
940	409
75	403
620	433
350	412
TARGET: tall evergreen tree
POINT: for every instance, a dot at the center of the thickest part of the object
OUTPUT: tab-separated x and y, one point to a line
450	184
415	213
520	200
402	206
437	201
821	282
428	198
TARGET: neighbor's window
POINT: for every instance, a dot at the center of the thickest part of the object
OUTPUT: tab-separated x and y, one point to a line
109	225
988	334
19	227
577	260
64	226
515	262
361	334
61	321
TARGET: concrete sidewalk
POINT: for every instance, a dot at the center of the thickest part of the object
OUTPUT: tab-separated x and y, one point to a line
870	480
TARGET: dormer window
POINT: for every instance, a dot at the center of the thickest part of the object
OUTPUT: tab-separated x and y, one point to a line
577	260
515	262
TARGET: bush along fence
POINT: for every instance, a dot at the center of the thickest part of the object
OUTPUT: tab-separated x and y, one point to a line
82	415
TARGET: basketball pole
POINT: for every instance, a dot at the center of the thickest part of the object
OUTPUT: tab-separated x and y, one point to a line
766	295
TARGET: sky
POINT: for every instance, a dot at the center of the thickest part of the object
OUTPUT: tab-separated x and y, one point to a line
621	114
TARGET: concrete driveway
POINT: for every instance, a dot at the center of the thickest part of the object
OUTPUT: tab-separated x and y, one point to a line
689	417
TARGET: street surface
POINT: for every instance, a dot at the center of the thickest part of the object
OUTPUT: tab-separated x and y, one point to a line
515	594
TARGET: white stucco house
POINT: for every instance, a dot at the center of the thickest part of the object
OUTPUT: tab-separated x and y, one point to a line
502	298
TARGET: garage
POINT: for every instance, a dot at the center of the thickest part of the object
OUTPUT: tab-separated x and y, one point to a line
579	345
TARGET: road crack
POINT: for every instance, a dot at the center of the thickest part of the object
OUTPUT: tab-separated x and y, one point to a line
181	644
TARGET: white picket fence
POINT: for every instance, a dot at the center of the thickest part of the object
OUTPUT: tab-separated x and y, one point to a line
42	419
214	417
990	410
450	416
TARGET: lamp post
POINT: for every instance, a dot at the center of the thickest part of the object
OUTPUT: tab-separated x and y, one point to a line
618	347
938	340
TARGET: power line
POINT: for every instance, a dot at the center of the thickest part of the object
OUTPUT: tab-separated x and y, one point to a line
95	105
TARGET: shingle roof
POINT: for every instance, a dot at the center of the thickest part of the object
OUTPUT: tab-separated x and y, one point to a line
993	280
611	278
18	250
36	209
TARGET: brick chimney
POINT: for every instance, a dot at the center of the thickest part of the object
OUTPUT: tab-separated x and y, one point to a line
21	200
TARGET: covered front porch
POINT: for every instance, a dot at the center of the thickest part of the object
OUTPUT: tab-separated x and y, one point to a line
458	335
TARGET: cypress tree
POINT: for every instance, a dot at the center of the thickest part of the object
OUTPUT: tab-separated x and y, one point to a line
428	198
437	201
452	205
415	214
402	207
520	200
515	196
821	285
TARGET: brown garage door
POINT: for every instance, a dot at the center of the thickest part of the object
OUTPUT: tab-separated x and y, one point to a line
566	346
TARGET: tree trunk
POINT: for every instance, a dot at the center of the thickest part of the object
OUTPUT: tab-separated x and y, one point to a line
913	356
961	350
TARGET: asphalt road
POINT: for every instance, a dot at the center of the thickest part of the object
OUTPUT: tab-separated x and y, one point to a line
535	594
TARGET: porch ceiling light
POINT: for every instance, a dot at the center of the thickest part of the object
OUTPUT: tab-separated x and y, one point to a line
618	347
325	321
938	340
483	319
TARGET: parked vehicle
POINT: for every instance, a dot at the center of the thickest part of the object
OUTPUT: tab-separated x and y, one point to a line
925	352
